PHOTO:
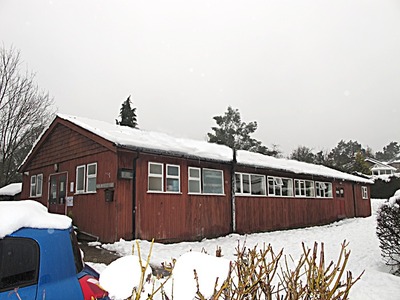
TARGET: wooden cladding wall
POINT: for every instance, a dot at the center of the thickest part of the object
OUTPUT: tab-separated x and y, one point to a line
90	211
123	197
266	213
172	217
363	206
63	144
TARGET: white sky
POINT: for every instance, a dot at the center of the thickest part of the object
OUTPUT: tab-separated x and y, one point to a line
309	72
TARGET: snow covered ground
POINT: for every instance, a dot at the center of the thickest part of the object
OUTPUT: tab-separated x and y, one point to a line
376	283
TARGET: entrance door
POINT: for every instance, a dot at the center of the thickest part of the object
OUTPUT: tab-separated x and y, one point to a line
57	193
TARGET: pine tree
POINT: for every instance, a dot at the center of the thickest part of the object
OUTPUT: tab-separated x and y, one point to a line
127	114
234	133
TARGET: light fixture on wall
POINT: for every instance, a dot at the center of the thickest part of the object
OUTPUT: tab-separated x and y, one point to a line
56	167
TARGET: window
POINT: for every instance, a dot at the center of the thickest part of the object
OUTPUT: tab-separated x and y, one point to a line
213	181
19	261
339	192
278	186
80	179
304	188
36	185
156	177
205	181
324	189
91	177
194	180
364	192
173	178
242	182
258	185
86	176
250	184
79	264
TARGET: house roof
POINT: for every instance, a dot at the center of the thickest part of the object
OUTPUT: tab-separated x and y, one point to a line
135	139
379	165
142	140
11	190
294	166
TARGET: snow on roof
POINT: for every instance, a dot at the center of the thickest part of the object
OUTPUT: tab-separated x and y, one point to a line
293	166
379	165
124	136
136	138
11	190
15	215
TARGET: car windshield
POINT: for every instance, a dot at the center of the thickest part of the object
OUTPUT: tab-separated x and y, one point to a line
77	252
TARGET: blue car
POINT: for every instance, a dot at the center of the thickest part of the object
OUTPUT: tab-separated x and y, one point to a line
45	264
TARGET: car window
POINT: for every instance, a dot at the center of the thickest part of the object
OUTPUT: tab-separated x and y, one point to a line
77	252
19	262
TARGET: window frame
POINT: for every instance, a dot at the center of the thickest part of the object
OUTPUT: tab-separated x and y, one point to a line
39	185
278	185
251	182
319	190
82	181
204	184
240	185
194	179
155	175
36	188
364	192
303	188
32	192
173	177
91	176
339	192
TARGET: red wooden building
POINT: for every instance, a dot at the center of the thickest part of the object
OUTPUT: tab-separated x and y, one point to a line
118	182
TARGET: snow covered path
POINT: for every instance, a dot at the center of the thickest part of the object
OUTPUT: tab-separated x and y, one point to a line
376	283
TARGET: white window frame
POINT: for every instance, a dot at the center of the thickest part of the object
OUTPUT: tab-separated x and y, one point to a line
364	192
36	186
240	185
320	189
32	192
173	177
277	186
39	185
155	175
302	183
222	181
194	179
80	191
264	185
91	176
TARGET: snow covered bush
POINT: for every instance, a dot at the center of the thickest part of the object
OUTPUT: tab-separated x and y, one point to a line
256	273
388	231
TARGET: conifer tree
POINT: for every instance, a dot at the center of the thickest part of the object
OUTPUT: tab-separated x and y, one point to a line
234	133
127	114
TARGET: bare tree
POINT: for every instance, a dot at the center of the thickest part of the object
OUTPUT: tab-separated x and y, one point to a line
24	111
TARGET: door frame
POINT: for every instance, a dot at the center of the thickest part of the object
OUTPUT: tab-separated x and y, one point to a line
49	189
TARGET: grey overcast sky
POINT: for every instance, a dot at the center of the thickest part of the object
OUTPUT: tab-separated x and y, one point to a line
309	72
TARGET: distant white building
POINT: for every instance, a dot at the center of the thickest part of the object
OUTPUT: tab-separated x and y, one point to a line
381	169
